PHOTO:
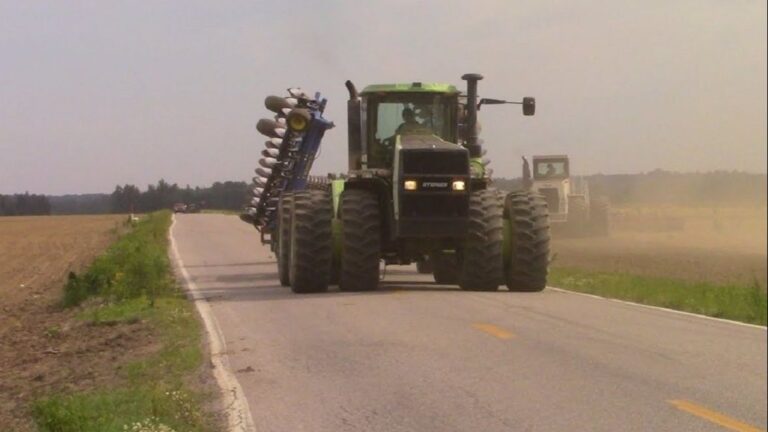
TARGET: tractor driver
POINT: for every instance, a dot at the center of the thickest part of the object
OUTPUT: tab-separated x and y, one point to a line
409	122
382	153
550	170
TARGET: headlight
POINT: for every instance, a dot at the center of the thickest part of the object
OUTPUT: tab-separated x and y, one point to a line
459	185
410	185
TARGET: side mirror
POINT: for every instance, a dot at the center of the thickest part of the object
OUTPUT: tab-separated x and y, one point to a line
486	101
529	106
528	103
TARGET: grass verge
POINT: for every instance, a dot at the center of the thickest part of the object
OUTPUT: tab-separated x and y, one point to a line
133	282
735	302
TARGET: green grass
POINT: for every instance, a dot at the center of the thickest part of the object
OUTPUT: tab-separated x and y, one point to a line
133	282
743	303
136	265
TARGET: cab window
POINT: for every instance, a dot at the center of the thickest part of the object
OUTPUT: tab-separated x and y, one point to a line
550	169
407	113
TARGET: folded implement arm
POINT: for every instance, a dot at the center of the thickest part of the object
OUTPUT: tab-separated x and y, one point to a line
294	138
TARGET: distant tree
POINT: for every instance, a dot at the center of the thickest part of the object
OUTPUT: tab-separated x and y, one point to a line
131	196
81	204
125	199
117	200
24	204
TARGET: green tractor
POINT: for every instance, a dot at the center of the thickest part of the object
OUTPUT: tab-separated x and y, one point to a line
417	190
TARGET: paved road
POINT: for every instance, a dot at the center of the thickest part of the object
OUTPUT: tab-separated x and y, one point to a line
415	356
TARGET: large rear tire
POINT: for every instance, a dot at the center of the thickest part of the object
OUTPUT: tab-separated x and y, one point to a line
526	266
482	257
284	238
311	241
361	240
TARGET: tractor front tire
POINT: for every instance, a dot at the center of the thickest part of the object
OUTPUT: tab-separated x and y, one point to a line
284	238
482	257
311	241
360	240
526	266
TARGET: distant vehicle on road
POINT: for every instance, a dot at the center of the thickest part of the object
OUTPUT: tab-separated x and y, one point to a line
193	208
179	208
568	199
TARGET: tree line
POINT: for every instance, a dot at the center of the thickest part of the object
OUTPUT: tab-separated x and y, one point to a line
655	187
24	204
128	198
228	195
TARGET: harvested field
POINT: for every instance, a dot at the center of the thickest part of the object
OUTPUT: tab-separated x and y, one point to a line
36	252
43	348
717	245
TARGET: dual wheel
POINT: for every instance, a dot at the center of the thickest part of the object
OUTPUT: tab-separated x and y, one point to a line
482	263
305	242
305	249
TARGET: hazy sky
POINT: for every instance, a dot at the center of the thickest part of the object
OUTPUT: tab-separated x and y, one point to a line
103	92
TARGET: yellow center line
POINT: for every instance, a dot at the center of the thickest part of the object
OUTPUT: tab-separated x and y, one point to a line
713	416
493	330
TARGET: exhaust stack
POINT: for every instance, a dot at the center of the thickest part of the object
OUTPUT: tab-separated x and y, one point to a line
354	129
472	145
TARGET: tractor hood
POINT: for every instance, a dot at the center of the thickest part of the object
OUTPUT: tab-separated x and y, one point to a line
427	142
430	190
430	155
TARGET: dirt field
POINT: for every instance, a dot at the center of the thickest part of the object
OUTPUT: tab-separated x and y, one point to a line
36	251
45	349
721	245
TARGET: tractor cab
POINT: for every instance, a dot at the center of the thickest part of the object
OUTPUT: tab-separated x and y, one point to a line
550	168
551	178
572	208
393	114
409	141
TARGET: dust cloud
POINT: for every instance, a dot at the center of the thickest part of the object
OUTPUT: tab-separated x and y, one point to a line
710	231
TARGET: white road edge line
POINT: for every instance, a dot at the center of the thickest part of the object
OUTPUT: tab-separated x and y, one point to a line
236	405
658	308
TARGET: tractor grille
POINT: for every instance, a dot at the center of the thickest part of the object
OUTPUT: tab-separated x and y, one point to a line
552	198
434	168
435	162
433	205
